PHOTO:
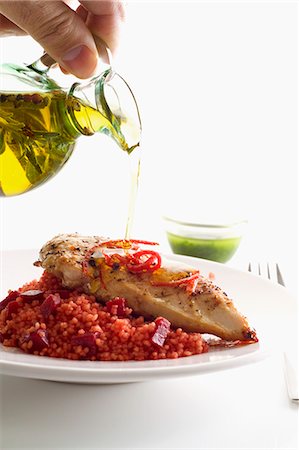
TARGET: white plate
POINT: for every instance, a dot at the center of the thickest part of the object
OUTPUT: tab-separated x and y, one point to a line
268	307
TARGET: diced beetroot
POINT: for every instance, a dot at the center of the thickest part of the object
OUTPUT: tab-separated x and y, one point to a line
117	306
86	340
39	340
64	293
2	337
161	332
34	294
12	307
10	298
49	305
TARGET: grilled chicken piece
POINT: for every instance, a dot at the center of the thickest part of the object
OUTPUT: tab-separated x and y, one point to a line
63	256
206	310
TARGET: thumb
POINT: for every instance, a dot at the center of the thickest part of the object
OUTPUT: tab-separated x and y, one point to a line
59	30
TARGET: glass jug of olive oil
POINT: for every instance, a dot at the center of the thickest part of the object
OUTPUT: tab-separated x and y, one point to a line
40	121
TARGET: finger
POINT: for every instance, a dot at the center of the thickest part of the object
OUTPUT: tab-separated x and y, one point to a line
61	32
103	19
82	12
8	28
104	7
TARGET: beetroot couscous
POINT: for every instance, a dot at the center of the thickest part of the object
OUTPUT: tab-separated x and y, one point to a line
43	318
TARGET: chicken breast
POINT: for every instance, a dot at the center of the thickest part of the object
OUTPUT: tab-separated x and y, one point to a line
206	309
64	254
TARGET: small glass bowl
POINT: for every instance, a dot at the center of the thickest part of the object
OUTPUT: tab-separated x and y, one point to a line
213	241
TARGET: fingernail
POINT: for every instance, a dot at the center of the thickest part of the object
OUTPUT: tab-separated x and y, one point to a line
81	61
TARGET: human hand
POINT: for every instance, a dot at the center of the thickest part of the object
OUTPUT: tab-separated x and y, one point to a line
65	34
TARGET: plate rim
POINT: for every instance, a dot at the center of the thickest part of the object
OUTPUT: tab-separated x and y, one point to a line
176	367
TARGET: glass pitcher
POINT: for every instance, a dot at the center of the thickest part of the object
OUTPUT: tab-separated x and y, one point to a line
40	121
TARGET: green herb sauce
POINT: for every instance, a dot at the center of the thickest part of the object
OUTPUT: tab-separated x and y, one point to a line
220	250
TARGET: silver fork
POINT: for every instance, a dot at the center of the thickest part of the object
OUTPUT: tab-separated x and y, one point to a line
267	270
272	272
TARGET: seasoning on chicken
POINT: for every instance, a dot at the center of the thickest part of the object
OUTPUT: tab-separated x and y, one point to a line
151	285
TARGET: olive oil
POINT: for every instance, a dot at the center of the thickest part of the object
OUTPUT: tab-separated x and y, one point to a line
134	164
38	133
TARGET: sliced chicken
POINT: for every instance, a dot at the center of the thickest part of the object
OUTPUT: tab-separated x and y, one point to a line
207	309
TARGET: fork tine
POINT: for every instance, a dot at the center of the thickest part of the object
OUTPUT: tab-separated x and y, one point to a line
256	268
268	271
263	270
271	272
279	276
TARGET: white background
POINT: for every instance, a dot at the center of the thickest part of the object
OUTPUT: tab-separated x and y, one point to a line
217	86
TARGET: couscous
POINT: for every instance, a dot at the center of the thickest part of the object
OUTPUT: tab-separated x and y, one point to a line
43	318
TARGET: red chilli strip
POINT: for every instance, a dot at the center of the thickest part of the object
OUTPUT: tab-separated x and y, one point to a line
49	305
125	243
191	286
12	296
86	262
138	241
115	258
101	279
161	332
138	265
86	265
119	243
117	306
181	281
